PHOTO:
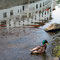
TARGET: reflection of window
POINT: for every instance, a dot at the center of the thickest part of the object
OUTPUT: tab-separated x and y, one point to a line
36	6
42	14
39	15
45	12
50	9
47	18
22	7
4	15
31	1
19	22
40	5
11	12
23	24
43	3
18	11
23	20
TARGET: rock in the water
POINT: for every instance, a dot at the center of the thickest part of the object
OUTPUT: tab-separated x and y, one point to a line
56	51
53	27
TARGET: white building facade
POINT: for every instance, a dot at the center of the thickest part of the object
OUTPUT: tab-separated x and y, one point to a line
26	14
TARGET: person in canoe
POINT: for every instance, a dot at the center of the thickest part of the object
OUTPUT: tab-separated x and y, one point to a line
40	49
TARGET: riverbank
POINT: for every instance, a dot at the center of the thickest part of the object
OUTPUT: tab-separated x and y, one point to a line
56	45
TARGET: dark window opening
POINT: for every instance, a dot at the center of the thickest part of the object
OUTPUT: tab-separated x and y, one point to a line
39	15
33	1
23	24
3	24
30	1
23	20
40	5
47	18
18	11
36	6
11	12
23	8
4	15
42	14
50	9
19	22
43	3
45	12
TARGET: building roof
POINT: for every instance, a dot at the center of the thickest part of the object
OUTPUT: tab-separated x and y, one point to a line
9	3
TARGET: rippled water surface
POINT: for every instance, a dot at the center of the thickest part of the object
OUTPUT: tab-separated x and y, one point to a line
15	44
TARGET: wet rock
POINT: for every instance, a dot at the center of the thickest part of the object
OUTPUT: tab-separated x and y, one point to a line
53	26
56	45
56	51
56	41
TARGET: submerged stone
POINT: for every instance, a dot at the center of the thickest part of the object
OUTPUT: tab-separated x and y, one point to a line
56	51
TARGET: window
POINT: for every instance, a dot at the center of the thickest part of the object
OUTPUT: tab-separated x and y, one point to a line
23	24
4	15
43	3
36	6
19	22
45	12
33	1
50	9
11	12
39	15
40	5
23	20
42	14
18	11
23	7
47	18
30	1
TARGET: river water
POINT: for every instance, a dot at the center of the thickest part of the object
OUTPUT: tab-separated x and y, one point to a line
15	43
